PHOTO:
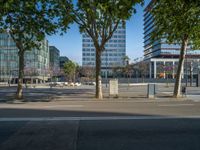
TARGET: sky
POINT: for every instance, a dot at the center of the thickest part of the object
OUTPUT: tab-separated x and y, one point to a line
70	44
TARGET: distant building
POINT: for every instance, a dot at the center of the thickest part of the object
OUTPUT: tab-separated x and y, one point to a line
62	60
115	51
36	61
54	57
159	54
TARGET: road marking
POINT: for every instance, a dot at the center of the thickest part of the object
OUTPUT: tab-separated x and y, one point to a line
63	106
175	105
99	118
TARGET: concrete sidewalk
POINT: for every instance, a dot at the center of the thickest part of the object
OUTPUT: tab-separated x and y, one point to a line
87	93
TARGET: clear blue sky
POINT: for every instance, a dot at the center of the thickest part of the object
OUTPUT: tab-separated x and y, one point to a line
70	44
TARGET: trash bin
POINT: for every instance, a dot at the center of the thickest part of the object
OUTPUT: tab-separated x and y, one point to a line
151	90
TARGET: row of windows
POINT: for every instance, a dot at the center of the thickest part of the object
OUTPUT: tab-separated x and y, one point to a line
103	59
107	45
104	55
147	32
110	41
103	64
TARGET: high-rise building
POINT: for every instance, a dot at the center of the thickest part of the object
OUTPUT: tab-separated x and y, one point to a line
54	55
115	51
158	53
63	60
36	61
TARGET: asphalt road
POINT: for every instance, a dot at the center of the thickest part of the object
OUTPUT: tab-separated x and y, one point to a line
100	125
128	134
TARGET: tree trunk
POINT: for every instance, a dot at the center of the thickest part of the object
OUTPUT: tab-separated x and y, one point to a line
177	86
99	94
19	94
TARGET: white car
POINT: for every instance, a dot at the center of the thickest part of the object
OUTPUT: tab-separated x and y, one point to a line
66	83
71	84
77	84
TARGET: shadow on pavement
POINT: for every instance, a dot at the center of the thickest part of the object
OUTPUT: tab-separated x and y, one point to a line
119	134
24	112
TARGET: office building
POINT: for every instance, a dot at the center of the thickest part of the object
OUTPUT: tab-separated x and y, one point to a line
63	60
159	54
36	61
115	51
54	57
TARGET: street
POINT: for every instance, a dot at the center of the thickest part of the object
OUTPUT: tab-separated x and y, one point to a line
151	134
97	125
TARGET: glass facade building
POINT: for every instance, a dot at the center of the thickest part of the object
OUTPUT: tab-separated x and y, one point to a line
115	50
159	53
36	60
63	60
54	55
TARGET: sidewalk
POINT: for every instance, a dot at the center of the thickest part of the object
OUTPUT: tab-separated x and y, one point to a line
87	93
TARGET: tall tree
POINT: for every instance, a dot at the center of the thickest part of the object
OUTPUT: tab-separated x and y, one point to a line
70	69
27	22
99	19
178	22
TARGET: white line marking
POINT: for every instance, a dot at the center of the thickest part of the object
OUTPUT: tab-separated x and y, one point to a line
99	118
175	105
61	106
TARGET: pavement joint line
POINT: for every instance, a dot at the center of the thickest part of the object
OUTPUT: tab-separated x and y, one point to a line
109	118
175	105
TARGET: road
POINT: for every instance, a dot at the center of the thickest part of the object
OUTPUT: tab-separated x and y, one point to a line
130	134
100	125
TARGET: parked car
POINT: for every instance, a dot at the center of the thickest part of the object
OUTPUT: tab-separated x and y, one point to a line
77	84
66	84
90	83
54	84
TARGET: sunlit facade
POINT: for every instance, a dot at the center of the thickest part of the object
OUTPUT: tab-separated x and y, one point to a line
36	61
115	50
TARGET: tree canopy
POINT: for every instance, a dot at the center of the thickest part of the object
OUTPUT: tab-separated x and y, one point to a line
99	19
27	22
175	19
70	69
177	22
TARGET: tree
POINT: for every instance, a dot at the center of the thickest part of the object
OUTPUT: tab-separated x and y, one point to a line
53	71
142	68
88	72
27	22
70	70
99	19
126	60
128	71
177	22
